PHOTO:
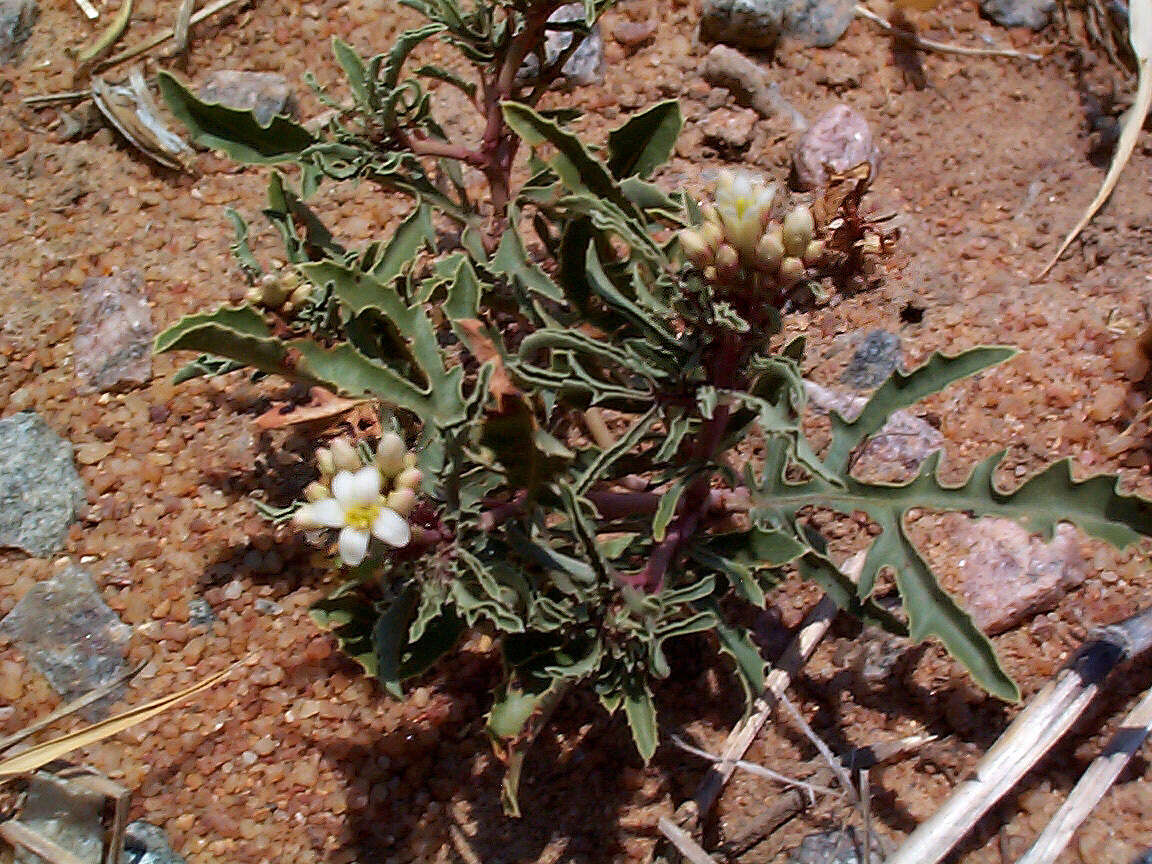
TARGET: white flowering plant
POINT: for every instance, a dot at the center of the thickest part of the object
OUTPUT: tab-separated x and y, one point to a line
574	362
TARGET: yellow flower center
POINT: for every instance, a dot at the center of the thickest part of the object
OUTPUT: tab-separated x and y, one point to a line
361	518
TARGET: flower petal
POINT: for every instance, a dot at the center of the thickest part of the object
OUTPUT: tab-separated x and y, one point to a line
325	513
353	545
358	489
392	528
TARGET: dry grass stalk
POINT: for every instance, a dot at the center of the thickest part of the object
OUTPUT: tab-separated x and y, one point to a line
1097	780
685	845
180	30
163	36
1052	711
1140	37
88	9
19	835
863	11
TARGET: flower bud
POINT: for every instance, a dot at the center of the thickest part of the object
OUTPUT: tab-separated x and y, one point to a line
409	478
711	214
695	249
710	274
814	253
316	491
791	271
344	455
254	295
711	234
770	249
411	459
300	294
273	292
727	258
799	226
390	453
325	462
402	501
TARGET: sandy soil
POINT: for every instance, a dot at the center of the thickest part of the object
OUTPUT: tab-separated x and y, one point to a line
986	164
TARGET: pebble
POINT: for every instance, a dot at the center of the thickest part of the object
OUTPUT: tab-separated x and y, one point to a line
17	18
145	843
839	139
759	24
40	492
1033	14
1009	575
633	34
730	128
114	333
874	360
69	634
265	94
831	847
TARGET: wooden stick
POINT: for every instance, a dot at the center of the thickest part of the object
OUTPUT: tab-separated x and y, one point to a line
163	36
683	842
1099	777
940	47
88	9
19	834
1038	727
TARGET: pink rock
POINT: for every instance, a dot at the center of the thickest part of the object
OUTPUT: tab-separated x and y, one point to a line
839	139
114	332
730	128
1010	575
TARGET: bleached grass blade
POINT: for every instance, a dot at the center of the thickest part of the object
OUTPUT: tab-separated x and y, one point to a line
1140	36
40	755
1097	780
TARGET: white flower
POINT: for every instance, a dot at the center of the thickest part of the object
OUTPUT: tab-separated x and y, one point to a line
743	203
359	511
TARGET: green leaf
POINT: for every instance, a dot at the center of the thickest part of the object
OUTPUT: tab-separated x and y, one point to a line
511	260
645	142
667	508
737	644
519	713
641	713
903	389
413	234
241	251
354	70
351	619
235	132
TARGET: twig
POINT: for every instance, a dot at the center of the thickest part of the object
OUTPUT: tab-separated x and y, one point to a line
1052	711
1099	777
598	429
794	657
866	811
88	9
165	35
180	30
53	98
843	776
683	842
758	770
940	47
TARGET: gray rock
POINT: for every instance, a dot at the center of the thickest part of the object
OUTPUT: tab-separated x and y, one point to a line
145	843
265	94
114	333
17	18
267	607
40	491
839	139
69	814
875	359
1009	575
200	612
1033	14
832	847
69	634
761	23
584	67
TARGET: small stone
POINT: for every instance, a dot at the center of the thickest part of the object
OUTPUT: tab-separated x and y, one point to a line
267	607
265	94
69	634
832	847
145	843
584	67
114	332
17	18
69	814
760	23
1033	14
1009	575
730	128
742	76
633	34
40	491
839	139
875	359
200	613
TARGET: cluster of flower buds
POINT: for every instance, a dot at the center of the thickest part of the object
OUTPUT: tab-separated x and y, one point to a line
283	292
363	498
739	244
